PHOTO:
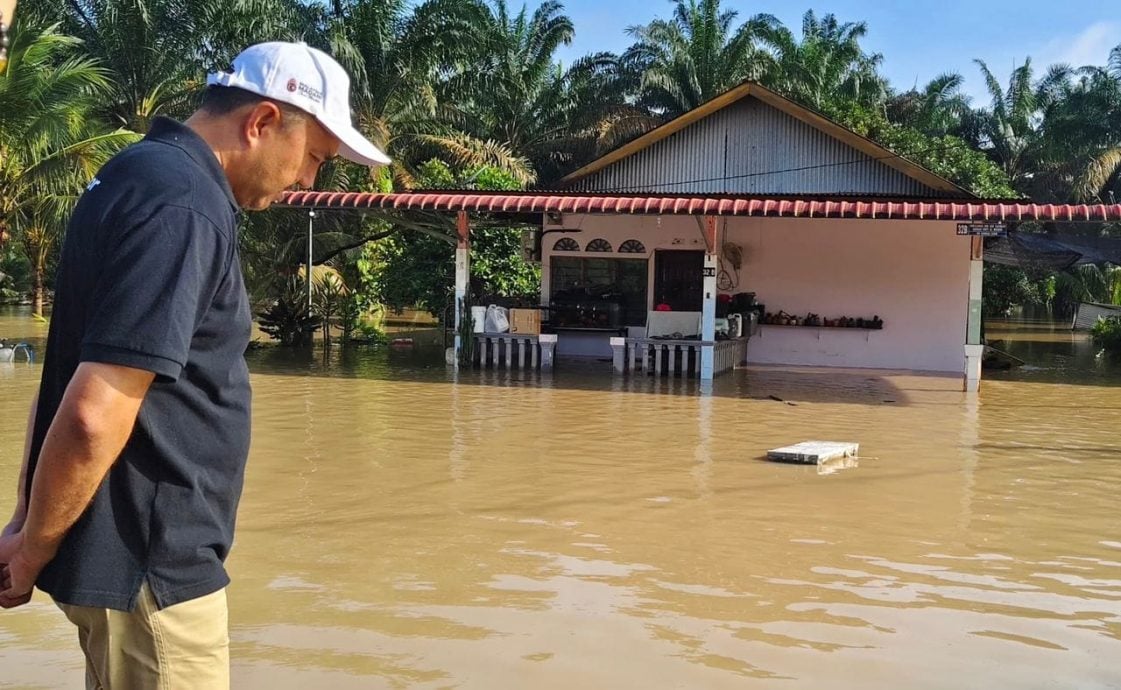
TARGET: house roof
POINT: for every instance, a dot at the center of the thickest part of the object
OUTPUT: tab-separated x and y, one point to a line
798	112
706	204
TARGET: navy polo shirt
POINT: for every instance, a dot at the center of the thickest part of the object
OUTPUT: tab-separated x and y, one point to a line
150	278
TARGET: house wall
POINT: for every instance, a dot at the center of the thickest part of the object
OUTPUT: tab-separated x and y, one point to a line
912	274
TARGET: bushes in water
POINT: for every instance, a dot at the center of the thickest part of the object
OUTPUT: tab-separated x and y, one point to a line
289	319
1107	333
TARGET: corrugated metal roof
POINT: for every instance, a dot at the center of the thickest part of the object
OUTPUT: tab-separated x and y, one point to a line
750	147
793	111
700	204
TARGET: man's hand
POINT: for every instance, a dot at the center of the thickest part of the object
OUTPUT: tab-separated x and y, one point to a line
18	572
13	526
93	422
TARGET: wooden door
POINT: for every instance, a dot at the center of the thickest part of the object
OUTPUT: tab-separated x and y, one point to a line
679	279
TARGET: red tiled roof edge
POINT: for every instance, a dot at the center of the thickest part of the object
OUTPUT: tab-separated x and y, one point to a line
871	208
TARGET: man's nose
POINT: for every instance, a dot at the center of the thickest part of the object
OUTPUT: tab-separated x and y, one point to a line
307	178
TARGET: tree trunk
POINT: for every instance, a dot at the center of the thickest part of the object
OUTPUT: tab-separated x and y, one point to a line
37	291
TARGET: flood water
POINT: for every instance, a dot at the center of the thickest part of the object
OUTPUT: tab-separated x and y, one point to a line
401	530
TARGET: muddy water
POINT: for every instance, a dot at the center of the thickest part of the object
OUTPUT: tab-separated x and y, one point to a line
400	530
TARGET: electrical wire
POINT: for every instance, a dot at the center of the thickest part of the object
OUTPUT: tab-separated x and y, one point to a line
725	178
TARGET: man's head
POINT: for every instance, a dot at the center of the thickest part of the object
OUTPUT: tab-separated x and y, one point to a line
281	112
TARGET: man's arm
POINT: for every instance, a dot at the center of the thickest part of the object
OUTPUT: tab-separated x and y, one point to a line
20	512
89	431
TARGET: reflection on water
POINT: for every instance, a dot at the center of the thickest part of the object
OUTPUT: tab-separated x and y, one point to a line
402	531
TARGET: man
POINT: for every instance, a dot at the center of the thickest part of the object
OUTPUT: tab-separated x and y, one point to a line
138	441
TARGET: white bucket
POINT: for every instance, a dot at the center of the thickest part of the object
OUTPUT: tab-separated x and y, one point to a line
478	318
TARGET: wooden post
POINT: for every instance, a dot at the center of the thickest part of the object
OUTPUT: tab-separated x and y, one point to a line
462	277
708	308
974	348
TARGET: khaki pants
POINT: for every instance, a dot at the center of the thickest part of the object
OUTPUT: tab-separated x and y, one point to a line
182	647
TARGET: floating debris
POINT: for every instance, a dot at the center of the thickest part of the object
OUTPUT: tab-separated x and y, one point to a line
814	452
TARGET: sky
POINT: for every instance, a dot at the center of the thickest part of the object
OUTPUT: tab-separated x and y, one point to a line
918	39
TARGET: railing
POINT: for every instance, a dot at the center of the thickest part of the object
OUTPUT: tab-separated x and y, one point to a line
513	349
672	357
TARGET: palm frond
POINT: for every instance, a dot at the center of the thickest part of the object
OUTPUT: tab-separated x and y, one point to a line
1102	170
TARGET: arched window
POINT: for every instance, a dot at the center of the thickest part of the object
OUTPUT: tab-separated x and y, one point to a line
598	245
632	247
566	244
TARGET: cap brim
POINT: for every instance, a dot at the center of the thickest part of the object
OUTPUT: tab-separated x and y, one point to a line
355	147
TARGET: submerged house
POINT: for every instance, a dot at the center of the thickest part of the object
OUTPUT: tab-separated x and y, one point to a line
751	230
912	275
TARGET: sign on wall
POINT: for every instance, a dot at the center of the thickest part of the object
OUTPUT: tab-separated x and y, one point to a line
982	229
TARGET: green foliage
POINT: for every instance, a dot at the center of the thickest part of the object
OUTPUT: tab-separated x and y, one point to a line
695	56
938	109
1085	283
289	319
328	302
350	317
1107	333
16	271
51	142
1005	287
529	110
825	68
415	269
947	156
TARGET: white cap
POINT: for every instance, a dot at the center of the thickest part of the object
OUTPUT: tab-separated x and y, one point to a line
309	79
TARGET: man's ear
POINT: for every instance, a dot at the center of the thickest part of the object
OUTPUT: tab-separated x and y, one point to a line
262	119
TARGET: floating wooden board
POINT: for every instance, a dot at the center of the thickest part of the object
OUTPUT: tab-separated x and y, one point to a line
813	452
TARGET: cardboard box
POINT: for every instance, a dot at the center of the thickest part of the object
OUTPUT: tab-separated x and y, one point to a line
525	321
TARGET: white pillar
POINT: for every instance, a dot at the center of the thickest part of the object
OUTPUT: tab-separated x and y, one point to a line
462	277
548	343
708	305
974	349
973	367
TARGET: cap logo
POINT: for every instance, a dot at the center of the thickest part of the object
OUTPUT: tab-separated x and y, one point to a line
292	85
310	92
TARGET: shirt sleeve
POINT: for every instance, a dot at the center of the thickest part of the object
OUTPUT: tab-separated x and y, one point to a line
156	283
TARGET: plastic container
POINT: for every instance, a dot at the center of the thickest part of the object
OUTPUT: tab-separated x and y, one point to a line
735	325
478	319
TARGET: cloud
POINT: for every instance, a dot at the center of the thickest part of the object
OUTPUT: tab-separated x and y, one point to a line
1090	46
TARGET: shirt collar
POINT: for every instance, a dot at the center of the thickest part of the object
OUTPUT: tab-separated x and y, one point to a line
168	131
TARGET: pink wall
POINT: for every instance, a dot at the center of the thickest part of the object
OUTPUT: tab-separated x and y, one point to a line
912	274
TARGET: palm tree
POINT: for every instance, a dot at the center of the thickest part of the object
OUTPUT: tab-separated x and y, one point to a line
1089	121
1058	138
1009	126
157	52
826	68
515	93
398	53
50	141
695	56
938	109
142	46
